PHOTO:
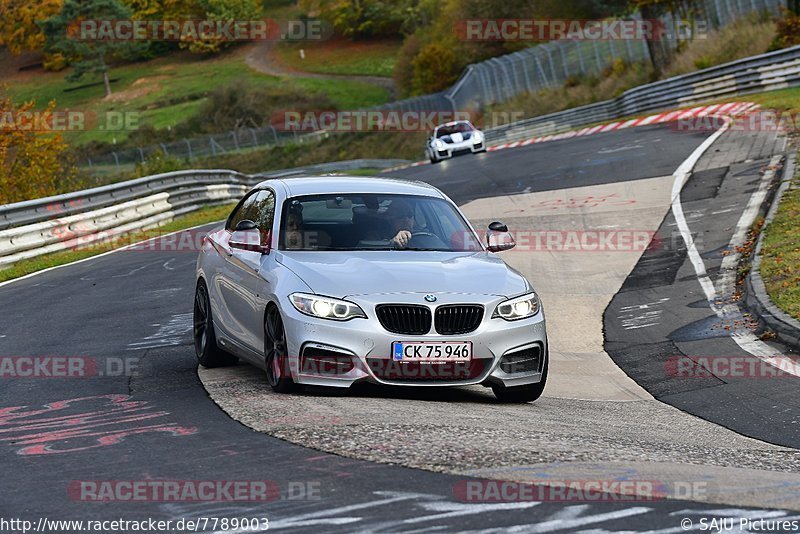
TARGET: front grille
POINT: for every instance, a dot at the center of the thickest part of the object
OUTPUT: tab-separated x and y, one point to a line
523	361
406	319
458	318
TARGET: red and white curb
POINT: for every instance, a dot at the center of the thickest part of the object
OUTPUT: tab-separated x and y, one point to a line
730	109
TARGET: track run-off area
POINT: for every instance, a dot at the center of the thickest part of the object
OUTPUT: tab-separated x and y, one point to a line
394	459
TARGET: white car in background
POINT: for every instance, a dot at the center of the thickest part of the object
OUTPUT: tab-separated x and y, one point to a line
454	138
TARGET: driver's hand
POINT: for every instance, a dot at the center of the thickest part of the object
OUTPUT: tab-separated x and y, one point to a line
401	239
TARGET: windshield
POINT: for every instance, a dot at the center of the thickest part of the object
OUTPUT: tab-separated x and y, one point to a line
461	127
373	222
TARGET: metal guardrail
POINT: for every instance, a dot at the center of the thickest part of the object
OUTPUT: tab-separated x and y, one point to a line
766	72
35	227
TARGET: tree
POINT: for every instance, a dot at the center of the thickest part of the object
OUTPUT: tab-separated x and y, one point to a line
33	163
19	30
222	10
88	56
660	49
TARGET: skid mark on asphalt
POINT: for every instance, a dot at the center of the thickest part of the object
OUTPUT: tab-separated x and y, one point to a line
93	422
170	334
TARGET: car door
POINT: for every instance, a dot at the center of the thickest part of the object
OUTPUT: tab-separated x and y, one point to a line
245	288
226	281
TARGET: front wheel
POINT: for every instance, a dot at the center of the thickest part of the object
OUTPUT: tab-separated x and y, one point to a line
522	394
205	340
276	352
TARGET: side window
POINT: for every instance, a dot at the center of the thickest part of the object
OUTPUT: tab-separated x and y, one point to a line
262	211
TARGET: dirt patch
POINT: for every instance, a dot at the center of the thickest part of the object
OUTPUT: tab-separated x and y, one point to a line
139	88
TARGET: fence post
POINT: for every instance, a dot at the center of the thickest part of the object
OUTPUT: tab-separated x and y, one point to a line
596	56
189	145
116	159
141	153
564	63
550	60
580	56
629	50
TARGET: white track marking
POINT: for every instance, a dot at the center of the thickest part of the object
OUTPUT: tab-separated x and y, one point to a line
725	286
747	341
571	524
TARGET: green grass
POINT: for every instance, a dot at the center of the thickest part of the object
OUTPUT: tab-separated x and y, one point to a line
780	255
166	91
202	216
787	100
346	94
364	58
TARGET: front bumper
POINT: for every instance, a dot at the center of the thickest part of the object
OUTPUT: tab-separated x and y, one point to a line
451	149
503	352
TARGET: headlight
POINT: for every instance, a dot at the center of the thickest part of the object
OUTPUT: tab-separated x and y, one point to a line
477	137
438	144
326	308
518	308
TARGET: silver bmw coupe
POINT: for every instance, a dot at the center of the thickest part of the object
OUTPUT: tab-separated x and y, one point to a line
331	280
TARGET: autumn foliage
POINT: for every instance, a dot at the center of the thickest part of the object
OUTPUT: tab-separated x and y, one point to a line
33	163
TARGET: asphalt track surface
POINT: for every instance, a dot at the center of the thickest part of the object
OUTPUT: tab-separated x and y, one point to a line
161	424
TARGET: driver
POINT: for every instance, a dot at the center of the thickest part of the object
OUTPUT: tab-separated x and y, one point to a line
401	219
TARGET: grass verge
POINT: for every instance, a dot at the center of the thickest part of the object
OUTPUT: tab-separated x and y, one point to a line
205	215
780	255
341	56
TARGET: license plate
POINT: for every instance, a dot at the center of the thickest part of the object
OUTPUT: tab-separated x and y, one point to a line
432	351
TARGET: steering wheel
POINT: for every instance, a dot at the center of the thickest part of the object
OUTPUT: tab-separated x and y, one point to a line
422	233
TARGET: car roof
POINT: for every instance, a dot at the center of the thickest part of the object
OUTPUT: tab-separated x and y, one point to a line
314	185
453	123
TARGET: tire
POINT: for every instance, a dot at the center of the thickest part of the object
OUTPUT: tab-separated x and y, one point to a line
276	355
205	340
526	393
434	161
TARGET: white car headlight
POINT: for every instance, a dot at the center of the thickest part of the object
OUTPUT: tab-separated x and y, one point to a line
439	144
477	137
325	307
518	308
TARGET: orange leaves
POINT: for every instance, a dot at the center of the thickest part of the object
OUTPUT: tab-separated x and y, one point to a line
32	163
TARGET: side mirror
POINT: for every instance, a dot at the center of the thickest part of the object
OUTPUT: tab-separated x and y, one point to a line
247	237
498	238
244	225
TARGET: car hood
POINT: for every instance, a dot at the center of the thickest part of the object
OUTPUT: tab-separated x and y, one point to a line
342	274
